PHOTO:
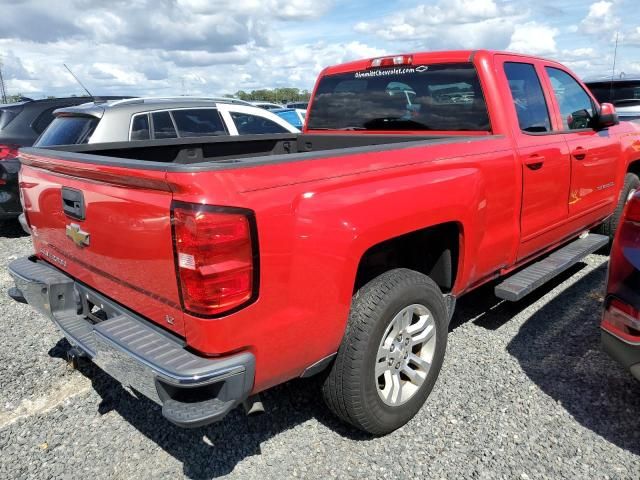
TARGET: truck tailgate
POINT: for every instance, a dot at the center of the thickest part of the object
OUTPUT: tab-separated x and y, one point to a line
108	227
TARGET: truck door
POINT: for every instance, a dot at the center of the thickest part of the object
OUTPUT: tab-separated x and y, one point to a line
594	154
544	157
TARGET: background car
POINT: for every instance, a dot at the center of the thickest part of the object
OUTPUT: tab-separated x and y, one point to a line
295	116
302	105
621	318
624	93
158	118
20	125
266	105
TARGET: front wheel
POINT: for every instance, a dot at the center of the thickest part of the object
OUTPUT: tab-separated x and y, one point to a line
391	354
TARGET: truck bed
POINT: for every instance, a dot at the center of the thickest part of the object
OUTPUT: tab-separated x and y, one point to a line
213	153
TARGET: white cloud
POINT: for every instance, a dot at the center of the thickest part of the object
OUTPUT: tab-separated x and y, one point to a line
151	46
601	18
448	25
220	46
459	21
633	37
533	38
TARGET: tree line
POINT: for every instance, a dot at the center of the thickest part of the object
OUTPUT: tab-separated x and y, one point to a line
276	95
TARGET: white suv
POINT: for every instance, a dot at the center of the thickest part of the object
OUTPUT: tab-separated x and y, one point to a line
158	118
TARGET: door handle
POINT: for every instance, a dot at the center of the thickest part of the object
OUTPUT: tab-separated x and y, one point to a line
534	162
579	153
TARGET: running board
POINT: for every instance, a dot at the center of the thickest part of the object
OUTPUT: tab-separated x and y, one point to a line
526	281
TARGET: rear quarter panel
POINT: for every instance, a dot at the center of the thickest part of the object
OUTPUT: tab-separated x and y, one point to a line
316	218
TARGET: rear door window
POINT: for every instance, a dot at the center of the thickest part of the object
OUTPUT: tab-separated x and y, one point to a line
200	122
528	97
68	131
163	125
248	124
140	127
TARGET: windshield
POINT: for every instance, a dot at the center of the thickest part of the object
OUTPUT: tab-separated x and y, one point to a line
620	93
68	131
422	97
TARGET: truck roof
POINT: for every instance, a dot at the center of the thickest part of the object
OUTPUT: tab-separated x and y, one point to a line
445	56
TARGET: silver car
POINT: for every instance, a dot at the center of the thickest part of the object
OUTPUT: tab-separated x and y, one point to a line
158	118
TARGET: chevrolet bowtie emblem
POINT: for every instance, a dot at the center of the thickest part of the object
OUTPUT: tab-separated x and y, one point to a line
79	237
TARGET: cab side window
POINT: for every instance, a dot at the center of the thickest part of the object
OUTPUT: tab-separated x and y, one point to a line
576	107
528	97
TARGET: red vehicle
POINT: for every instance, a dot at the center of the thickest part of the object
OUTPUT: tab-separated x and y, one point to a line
621	319
204	271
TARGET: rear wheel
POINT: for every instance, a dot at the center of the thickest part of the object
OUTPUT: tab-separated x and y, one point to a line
631	184
391	353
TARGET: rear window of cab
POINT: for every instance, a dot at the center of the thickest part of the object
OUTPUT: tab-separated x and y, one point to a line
446	97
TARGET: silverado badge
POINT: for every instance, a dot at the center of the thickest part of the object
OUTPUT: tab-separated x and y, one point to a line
79	237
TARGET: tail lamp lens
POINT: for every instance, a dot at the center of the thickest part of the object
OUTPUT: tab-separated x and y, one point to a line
215	259
622	320
8	151
632	209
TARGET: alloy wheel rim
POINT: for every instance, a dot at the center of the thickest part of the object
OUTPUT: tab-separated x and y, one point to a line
405	354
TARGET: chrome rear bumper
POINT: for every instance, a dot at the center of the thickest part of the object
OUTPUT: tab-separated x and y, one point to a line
192	390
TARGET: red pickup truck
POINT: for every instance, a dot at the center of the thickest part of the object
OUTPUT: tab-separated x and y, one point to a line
203	271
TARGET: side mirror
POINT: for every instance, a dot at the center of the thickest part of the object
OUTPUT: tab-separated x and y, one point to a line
607	116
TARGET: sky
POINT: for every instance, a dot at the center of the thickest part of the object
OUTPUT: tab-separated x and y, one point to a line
213	47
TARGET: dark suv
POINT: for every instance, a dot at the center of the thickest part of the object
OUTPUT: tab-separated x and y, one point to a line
20	125
623	92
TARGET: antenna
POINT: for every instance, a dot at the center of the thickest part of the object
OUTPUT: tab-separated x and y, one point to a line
613	69
3	88
77	80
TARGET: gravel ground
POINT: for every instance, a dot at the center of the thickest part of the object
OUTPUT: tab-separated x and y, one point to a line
525	392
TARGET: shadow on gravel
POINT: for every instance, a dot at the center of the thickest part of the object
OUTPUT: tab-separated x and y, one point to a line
559	349
484	309
213	451
11	229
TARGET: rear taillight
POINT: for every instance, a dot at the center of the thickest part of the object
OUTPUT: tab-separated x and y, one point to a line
8	151
622	320
216	257
632	209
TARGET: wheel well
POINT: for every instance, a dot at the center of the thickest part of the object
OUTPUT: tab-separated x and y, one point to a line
433	251
634	167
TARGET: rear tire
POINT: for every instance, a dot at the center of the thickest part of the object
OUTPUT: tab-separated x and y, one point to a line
609	226
391	353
